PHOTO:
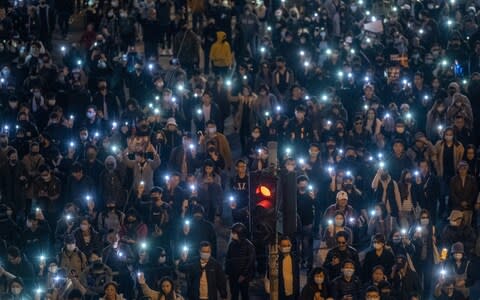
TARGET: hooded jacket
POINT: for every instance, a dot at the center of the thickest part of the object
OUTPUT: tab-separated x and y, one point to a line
221	53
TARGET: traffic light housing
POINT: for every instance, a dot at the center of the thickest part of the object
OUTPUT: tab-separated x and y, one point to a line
263	206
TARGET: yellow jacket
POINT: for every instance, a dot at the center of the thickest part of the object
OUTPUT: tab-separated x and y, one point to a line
220	52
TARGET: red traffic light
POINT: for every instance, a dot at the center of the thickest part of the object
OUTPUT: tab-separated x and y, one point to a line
265	204
264	191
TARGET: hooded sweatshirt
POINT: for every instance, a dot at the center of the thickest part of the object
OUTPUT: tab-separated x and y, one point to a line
220	53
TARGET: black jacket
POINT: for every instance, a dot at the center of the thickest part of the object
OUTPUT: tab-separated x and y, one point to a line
217	281
240	260
342	288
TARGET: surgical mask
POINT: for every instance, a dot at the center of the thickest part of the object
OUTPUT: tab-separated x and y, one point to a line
16	290
53	269
162	259
318	280
51	102
449	138
211	130
285	250
348	272
338	222
91	114
458	256
255	135
70	247
424	221
323	34
396	240
205	256
83	227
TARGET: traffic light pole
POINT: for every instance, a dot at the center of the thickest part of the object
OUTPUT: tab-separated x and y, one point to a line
273	269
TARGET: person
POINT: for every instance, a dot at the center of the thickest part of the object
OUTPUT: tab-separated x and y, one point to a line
337	255
110	291
404	280
221	56
239	262
458	268
446	291
457	231
205	275
167	289
463	191
378	256
17	290
348	284
71	258
19	266
317	285
288	279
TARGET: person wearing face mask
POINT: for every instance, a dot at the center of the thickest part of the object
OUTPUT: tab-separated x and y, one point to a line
36	236
317	287
288	272
378	256
254	142
306	208
460	105
239	262
202	229
223	147
460	269
206	278
17	290
405	281
142	167
338	224
457	231
95	276
449	154
111	219
111	181
347	285
423	238
300	131
93	121
463	191
71	258
88	240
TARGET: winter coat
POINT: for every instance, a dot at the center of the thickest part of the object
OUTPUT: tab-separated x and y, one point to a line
240	259
220	52
458	151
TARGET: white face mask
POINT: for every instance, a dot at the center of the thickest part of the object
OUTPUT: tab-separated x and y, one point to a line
211	130
338	223
205	256
348	272
53	269
285	250
83	227
16	290
424	221
71	247
162	259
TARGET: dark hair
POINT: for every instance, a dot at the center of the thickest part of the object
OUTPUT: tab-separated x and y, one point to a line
205	244
342	234
77	167
348	261
13	251
302	178
317	270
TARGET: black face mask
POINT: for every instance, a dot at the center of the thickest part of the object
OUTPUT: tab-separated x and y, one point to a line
348	186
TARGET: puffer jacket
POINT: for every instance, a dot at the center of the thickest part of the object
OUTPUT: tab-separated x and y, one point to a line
240	260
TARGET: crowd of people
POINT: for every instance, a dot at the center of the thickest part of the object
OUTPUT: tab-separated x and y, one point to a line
123	153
